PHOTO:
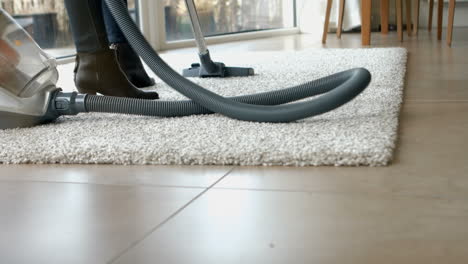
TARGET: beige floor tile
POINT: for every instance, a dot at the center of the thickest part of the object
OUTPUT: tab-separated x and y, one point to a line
176	176
424	89
75	223
431	161
450	72
239	226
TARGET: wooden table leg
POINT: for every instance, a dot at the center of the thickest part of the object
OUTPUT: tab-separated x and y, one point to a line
384	9
366	22
399	8
409	22
416	17
440	17
340	19
327	21
431	11
451	16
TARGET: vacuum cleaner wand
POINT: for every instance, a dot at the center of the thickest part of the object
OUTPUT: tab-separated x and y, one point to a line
207	67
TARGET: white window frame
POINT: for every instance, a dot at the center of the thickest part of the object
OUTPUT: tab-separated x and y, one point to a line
153	27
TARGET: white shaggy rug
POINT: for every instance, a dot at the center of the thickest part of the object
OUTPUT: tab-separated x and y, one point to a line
362	132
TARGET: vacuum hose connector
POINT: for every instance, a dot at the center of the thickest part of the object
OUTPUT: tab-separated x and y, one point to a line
68	103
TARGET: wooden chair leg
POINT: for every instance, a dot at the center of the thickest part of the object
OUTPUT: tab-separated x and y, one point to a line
399	8
366	22
327	21
431	11
416	17
340	19
451	16
408	17
440	17
384	10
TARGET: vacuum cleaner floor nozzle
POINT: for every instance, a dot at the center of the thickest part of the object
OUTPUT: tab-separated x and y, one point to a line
207	68
198	70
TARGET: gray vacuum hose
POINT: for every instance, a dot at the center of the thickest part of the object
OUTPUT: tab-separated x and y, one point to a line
110	104
338	89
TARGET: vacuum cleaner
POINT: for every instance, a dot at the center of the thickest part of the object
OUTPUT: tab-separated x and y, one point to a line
29	96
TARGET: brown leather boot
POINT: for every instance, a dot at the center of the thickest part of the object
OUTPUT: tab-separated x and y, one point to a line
131	65
99	72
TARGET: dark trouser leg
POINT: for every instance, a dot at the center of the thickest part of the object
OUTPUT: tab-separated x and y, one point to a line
87	25
114	34
129	61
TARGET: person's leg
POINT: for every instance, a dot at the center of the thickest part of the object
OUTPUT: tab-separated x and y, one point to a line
97	69
87	25
129	61
114	34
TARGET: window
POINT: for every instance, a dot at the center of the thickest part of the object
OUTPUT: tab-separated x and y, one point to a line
219	17
47	22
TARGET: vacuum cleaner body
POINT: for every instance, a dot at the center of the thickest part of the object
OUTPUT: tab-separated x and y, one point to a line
27	77
16	112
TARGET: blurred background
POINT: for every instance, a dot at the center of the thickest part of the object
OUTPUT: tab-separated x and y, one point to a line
47	21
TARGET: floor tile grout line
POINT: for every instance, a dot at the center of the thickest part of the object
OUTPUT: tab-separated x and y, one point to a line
178	211
106	184
211	187
305	191
434	101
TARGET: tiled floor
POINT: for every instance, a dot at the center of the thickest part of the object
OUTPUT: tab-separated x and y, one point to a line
413	211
